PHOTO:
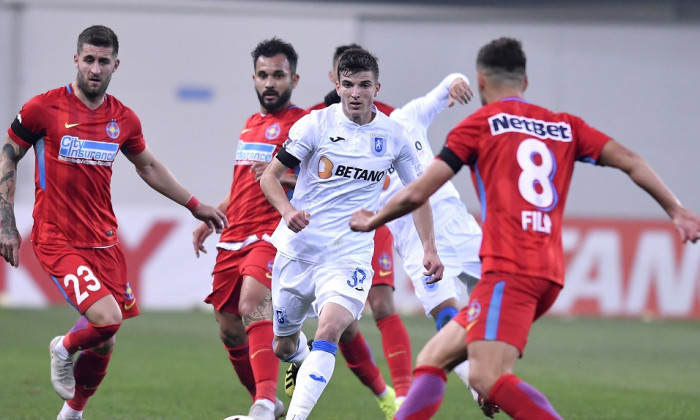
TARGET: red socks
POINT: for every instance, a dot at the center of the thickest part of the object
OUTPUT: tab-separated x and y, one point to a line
88	335
521	400
89	370
263	360
397	351
425	396
359	359
241	364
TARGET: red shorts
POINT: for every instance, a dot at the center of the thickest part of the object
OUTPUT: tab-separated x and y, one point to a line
383	258
503	306
85	275
231	267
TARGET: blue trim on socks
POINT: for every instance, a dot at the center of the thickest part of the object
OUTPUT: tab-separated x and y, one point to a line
324	345
444	316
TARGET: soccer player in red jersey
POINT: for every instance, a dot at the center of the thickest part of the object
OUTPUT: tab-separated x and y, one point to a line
242	274
395	340
77	131
522	158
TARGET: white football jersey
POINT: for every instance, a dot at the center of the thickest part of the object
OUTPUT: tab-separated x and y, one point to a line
342	169
416	117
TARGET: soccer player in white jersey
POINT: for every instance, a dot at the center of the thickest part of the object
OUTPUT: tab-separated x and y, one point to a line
457	234
322	268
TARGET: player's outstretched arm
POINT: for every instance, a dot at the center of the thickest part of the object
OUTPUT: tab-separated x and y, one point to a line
10	239
272	188
158	177
406	200
617	156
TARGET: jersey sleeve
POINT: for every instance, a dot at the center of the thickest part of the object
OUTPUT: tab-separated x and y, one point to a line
302	139
462	141
407	164
424	109
589	141
29	125
135	143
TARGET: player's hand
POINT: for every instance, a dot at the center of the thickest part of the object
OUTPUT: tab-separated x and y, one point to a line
687	224
258	168
360	220
213	217
297	220
199	235
433	266
10	241
460	91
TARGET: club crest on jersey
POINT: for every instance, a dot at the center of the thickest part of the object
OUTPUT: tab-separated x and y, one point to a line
112	129
378	144
272	131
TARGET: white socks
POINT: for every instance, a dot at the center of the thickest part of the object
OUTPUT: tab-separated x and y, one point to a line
312	379
462	371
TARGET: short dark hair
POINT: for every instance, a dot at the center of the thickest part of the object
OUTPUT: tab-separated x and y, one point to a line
272	47
99	36
503	57
341	49
356	60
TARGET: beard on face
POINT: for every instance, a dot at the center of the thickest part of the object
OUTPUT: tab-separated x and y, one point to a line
282	99
90	92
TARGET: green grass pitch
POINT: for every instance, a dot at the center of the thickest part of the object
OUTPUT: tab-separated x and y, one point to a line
171	365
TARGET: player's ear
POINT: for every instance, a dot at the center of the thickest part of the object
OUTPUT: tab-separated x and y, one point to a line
377	90
116	65
525	83
295	80
481	80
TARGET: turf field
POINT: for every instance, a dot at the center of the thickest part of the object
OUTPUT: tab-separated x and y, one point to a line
172	366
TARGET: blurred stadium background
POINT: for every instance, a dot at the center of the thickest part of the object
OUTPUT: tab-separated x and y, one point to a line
629	68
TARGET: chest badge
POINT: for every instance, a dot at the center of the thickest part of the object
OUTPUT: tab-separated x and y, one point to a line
378	144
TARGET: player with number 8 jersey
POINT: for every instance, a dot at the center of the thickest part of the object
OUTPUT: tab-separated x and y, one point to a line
532	189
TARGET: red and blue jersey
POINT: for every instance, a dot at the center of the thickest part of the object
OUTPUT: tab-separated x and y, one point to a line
249	212
75	148
522	158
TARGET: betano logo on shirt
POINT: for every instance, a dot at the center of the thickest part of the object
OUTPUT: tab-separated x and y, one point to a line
89	152
326	169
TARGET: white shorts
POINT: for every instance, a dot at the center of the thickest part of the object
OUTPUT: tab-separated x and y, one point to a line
301	289
458	239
